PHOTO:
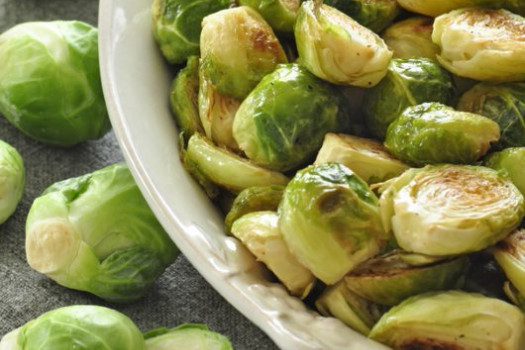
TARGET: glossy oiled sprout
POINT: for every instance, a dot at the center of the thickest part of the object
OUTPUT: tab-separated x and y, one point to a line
482	44
188	336
510	254
432	133
503	103
238	48
259	232
437	7
280	14
512	162
330	220
452	320
365	157
411	38
12	180
450	209
336	48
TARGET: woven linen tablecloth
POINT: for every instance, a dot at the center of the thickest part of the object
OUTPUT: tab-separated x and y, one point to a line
180	295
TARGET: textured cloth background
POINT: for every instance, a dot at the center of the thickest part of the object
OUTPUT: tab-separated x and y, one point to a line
179	296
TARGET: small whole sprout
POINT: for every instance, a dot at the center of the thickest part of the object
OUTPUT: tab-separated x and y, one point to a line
188	336
82	327
481	44
411	38
57	97
12	180
96	233
432	133
280	14
451	320
447	210
177	25
510	255
330	220
367	158
438	7
511	161
238	48
503	103
336	48
408	82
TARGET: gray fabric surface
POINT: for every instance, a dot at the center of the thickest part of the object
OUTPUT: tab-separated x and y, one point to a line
180	295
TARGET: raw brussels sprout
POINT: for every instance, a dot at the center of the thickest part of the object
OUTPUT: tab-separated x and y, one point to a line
367	158
330	220
432	133
408	82
238	48
411	38
510	255
437	7
12	180
259	232
280	14
281	124
451	320
82	327
511	161
96	233
376	15
177	25
389	279
450	209
186	337
503	103
57	97
336	48
481	44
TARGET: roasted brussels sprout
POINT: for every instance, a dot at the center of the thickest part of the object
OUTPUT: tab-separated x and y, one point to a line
511	161
281	124
437	7
451	320
481	44
411	38
280	14
57	97
188	337
96	233
450	209
12	180
336	48
238	48
503	103
408	82
510	255
177	25
330	220
432	133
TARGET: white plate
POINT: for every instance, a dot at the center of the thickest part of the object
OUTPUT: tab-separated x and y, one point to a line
136	83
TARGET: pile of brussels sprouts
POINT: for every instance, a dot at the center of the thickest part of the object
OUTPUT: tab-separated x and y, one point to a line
370	153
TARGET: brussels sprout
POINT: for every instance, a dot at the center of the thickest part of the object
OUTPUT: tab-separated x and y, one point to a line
376	15
280	14
96	233
451	320
437	7
259	232
82	327
187	337
432	133
330	220
411	38
450	209
408	82
238	48
226	169
389	279
12	180
505	104
354	311
511	161
281	124
367	158
510	255
57	97
336	48
481	44
177	25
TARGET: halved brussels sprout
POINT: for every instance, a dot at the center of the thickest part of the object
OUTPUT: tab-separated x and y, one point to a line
432	133
408	82
281	124
452	320
411	38
280	14
336	48
437	7
238	48
188	336
330	220
510	255
96	233
259	232
177	25
365	157
511	161
12	180
503	103
481	44
450	209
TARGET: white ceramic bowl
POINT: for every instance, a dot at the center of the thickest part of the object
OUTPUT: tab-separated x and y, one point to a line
136	84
